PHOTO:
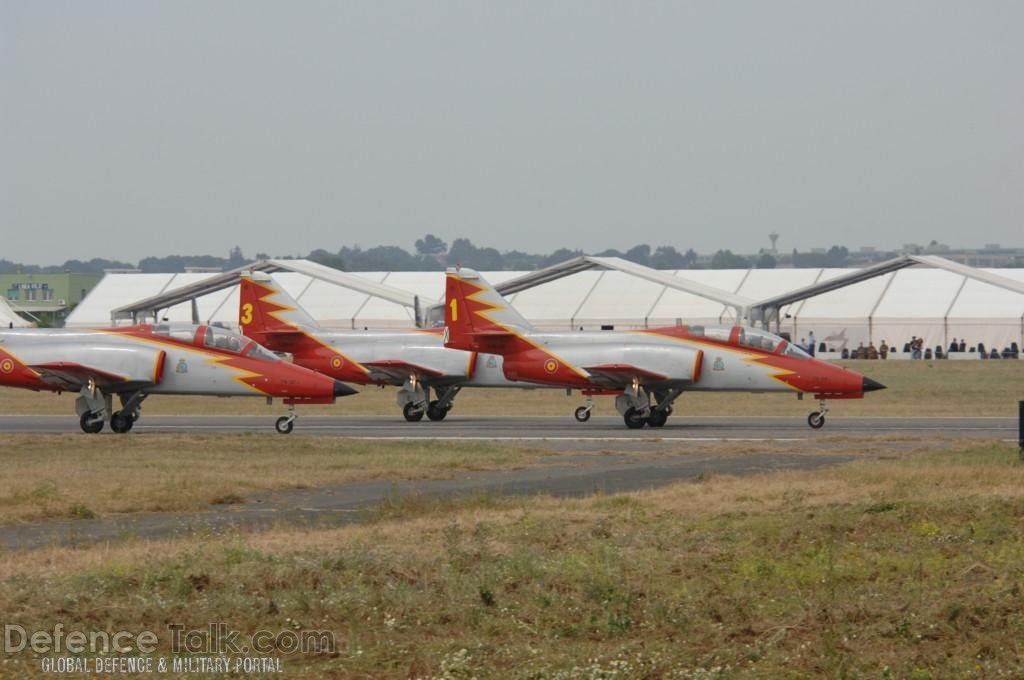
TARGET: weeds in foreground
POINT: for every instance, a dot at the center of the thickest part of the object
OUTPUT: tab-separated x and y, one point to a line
901	577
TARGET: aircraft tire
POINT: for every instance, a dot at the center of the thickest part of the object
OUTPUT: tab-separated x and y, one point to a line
582	414
633	419
412	413
120	422
284	425
657	418
816	420
436	414
90	423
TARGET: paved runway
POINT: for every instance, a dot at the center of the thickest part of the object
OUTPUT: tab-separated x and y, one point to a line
551	428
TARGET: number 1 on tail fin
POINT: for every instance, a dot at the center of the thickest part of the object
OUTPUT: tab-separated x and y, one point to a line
477	317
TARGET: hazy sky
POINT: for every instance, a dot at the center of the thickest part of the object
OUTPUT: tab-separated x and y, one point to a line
136	128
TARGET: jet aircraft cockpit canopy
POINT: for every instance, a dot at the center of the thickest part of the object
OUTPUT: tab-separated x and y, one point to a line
222	338
258	351
177	332
769	342
748	337
216	337
757	339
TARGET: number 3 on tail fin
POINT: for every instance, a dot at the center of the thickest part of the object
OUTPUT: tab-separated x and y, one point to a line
246	317
454	304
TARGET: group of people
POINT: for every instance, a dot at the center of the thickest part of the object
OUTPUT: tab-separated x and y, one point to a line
955	346
914	347
917	350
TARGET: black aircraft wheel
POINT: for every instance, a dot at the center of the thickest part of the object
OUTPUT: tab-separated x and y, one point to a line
816	420
285	425
436	413
634	419
583	414
657	418
121	422
90	422
412	413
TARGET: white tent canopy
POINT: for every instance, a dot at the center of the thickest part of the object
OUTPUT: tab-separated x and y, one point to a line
8	318
936	304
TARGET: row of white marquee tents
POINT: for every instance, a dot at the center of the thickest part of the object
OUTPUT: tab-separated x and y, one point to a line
934	304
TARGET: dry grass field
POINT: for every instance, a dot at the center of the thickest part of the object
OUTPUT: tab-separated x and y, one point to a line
71	476
940	388
907	565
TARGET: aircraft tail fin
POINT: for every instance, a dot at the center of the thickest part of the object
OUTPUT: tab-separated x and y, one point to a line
266	310
476	316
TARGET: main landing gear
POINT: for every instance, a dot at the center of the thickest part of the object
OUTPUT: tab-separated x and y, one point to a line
91	422
638	409
414	398
92	407
817	418
124	420
438	408
656	417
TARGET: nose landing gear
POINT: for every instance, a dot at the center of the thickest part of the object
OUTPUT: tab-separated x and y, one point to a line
582	414
285	424
817	418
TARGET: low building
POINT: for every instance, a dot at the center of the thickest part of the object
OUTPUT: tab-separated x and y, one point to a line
46	298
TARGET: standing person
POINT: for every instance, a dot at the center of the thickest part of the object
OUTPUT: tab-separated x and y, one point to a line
810	343
883	350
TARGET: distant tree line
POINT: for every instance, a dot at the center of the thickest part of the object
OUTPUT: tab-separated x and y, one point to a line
431	253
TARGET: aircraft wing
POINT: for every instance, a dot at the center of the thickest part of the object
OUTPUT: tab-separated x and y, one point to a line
111	369
74	376
622	375
396	370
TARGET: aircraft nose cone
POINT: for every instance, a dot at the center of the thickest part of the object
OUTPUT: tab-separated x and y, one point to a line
872	385
342	390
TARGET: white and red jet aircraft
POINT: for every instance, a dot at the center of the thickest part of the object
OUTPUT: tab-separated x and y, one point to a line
646	369
416	361
135	361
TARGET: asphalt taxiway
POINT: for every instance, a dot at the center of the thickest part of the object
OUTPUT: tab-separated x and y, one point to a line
573	475
550	428
627	460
